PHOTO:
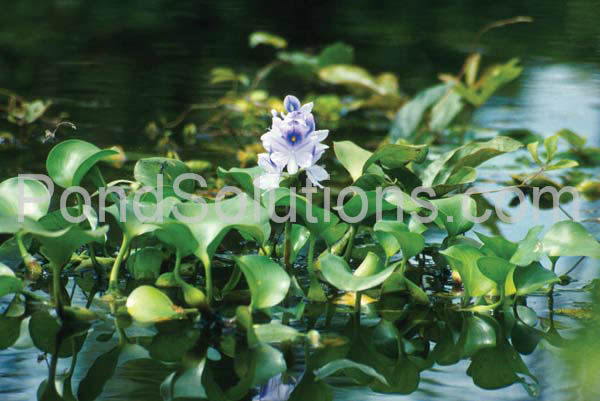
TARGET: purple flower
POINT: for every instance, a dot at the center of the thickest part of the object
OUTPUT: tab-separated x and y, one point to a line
294	143
276	390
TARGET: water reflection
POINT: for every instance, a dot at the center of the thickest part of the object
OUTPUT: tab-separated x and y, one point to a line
431	353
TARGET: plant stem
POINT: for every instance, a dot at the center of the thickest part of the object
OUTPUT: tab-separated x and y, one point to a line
287	247
350	245
56	286
113	283
31	264
357	302
209	282
176	270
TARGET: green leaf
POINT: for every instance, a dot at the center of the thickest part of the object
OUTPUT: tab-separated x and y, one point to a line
9	199
337	53
471	154
147	304
499	245
495	268
410	243
59	238
44	329
444	111
568	238
210	230
343	364
551	146
265	38
352	157
10	285
267	281
397	155
463	258
409	117
453	213
300	235
269	362
320	227
571	137
478	332
528	279
69	161
350	75
145	220
10	329
494	78
244	177
145	263
275	333
562	164
336	271
533	151
146	172
529	249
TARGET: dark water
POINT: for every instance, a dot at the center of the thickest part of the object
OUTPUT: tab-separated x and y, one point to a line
113	66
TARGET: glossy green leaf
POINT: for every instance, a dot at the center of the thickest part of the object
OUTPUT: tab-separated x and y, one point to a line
244	177
141	217
495	268
60	239
343	364
410	243
471	154
568	238
336	271
69	161
528	279
463	258
210	230
269	362
147	304
478	332
300	236
352	157
144	263
275	333
497	367
499	245
9	200
268	282
146	172
396	155
529	249
456	213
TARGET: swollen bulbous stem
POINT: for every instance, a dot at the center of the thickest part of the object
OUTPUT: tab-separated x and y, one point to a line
113	283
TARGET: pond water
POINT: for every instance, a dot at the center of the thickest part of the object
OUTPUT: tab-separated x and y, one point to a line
115	66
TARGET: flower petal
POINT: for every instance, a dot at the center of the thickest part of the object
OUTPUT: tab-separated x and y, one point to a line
320	135
316	174
291	103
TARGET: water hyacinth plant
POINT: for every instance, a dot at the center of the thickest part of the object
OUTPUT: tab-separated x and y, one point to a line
231	301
